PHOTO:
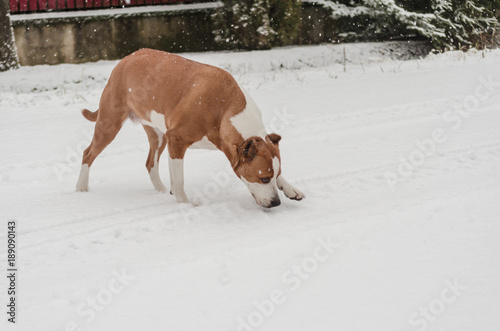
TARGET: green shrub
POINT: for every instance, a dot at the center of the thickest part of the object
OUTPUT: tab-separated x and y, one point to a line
257	24
448	24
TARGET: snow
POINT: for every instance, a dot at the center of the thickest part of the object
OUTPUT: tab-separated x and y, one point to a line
399	160
115	11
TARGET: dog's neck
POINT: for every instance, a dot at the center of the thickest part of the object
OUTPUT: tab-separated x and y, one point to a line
230	147
241	121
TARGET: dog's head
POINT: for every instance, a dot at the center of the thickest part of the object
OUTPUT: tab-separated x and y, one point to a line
257	164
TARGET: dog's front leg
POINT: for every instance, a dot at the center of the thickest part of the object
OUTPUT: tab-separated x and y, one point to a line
176	169
290	191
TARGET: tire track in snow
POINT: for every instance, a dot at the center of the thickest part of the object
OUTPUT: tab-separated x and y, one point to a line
391	115
381	116
486	148
364	179
349	121
92	223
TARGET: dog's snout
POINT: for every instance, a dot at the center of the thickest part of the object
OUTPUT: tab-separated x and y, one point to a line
275	202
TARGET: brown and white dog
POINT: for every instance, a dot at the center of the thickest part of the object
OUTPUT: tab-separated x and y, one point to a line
185	104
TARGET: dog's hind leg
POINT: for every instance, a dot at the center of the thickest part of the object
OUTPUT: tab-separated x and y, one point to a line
105	131
157	143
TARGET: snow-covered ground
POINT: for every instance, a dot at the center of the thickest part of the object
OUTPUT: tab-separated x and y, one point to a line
399	159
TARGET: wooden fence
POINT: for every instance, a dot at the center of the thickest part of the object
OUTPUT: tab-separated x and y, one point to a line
36	6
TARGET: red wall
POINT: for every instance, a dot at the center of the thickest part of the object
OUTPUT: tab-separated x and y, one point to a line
25	6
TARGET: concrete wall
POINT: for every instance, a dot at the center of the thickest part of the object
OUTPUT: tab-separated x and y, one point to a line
92	38
52	39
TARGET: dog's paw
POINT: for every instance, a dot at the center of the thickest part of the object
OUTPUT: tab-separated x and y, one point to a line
190	203
187	204
294	194
161	188
289	190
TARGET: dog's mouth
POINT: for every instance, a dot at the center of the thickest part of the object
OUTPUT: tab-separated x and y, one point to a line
265	195
275	202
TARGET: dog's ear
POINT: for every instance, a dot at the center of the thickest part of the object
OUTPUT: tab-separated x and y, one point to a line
235	162
249	150
274	138
244	152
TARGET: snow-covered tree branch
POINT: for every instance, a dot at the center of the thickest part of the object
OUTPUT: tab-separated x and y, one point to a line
450	24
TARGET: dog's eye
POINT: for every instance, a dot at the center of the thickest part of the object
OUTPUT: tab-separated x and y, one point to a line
265	180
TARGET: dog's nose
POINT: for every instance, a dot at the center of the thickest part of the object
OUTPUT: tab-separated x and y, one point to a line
275	202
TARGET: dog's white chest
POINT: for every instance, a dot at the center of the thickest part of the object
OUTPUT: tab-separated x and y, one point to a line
249	122
158	121
204	143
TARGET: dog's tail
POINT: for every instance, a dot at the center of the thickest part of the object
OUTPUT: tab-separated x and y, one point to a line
91	116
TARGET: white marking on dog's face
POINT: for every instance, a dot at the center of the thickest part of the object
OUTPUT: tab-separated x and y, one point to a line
276	166
266	195
249	122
